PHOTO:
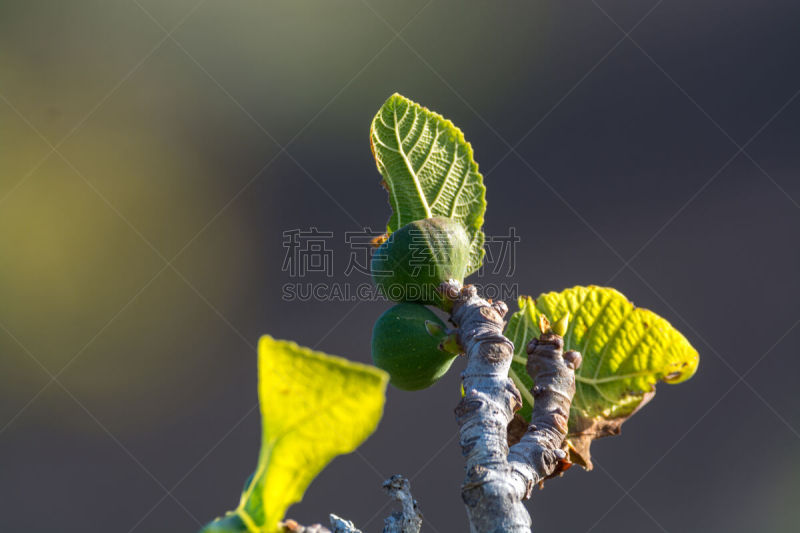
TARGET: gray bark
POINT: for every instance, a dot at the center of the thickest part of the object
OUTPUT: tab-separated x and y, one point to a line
498	479
340	525
407	520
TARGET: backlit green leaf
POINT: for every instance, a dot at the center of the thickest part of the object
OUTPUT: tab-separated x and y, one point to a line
626	350
313	407
428	169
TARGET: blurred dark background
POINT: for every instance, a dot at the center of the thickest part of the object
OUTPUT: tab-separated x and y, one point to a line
145	189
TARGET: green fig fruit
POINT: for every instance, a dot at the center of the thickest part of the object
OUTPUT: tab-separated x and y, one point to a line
418	257
409	342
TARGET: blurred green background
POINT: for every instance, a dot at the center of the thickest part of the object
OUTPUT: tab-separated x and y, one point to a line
152	154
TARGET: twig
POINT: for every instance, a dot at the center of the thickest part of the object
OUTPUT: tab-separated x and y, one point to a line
340	525
409	519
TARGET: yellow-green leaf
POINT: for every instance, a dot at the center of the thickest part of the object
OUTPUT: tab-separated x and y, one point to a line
428	169
626	350
313	407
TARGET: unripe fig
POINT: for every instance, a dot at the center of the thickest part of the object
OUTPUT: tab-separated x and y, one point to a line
414	355
418	257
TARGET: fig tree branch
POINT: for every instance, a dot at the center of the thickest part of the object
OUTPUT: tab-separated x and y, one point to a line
498	479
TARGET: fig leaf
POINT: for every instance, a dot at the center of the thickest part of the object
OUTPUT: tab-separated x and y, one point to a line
313	407
626	350
428	169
